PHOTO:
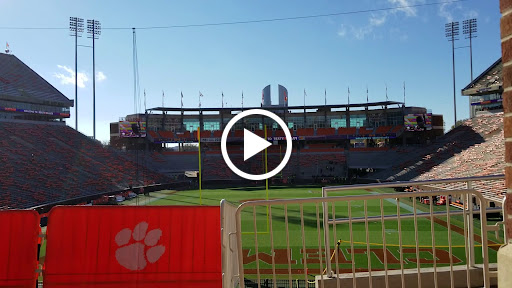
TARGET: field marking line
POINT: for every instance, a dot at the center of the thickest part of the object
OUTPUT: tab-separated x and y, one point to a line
393	201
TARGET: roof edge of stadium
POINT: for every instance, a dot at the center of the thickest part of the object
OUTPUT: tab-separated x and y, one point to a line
497	62
65	101
371	104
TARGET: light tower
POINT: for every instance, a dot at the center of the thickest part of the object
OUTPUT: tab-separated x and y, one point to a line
76	27
452	33
469	28
94	31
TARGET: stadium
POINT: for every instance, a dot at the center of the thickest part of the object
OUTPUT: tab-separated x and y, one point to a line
374	194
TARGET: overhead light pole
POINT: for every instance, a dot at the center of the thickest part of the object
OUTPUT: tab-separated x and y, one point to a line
469	28
76	27
94	31
452	34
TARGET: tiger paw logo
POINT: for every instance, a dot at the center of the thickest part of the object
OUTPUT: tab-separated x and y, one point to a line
134	255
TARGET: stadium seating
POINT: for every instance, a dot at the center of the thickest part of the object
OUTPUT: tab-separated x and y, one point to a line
397	129
475	148
239	133
166	134
383	129
45	163
364	131
280	133
154	134
183	135
306	132
347	131
325	131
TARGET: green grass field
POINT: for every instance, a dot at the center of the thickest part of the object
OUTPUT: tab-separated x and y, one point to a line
237	196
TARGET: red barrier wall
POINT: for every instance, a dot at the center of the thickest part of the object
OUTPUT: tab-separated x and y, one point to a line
18	248
128	246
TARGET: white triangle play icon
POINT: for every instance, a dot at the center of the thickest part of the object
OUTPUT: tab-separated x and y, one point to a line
253	144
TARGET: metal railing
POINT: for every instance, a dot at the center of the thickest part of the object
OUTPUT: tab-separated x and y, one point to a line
281	249
229	248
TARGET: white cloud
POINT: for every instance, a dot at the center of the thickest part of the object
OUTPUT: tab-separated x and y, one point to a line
361	32
342	31
69	78
455	12
405	6
378	21
445	13
100	76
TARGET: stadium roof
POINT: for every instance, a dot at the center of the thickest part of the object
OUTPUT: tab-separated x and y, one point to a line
360	105
19	82
490	81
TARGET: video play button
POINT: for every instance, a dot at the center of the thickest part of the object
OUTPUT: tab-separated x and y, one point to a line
253	144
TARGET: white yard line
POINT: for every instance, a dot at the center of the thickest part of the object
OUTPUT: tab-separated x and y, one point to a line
393	201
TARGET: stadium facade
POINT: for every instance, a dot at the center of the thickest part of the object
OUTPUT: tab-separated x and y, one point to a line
329	141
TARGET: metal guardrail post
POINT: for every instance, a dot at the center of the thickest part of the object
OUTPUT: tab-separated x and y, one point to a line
485	247
471	229
326	235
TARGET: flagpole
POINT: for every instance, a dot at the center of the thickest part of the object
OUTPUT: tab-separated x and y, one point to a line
222	99
242	100
325	97
348	96
181	100
367	95
404	93
304	125
163	96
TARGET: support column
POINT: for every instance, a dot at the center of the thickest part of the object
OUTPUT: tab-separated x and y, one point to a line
505	252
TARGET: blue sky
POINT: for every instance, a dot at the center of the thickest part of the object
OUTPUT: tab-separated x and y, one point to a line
371	49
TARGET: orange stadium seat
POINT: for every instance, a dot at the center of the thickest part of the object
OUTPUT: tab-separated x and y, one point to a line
154	134
325	131
347	131
305	132
239	133
280	133
383	129
206	134
166	134
184	135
